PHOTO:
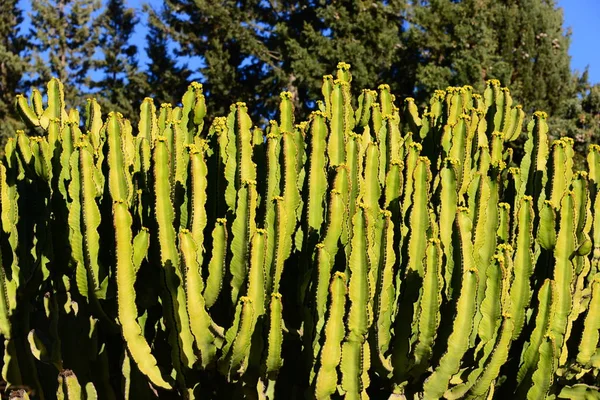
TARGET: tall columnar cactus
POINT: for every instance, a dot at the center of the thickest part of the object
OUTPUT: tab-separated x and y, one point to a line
371	252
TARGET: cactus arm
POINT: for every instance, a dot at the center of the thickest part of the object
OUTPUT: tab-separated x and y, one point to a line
385	99
517	117
520	291
5	326
593	163
282	244
291	192
395	140
164	115
360	313
317	177
187	103
411	114
563	269
351	367
546	235
486	222
327	377
181	159
591	327
496	148
414	149
327	90
229	156
148	125
42	156
497	360
199	107
336	142
371	192
447	212
169	257
491	304
93	123
72	388
9	215
242	233
372	187
75	235
419	216
91	215
56	103
272	190
385	293
503	232
355	156
543	376
363	112
27	113
127	310
37	102
273	360
24	148
285	209
503	106
141	243
415	244
117	182
237	357
393	187
458	342
559	182
376	121
545	309
66	149
429	315
244	223
198	174
256	275
458	149
200	321
326	251
533	165
246	169
579	391
216	266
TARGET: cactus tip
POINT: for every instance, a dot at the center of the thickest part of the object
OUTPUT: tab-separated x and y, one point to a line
340	275
506	206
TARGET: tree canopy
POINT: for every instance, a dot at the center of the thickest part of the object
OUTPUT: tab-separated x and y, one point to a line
252	50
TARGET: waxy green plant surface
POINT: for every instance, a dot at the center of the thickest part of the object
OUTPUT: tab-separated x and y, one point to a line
370	252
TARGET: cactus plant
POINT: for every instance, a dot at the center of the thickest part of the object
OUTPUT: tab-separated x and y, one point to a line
371	252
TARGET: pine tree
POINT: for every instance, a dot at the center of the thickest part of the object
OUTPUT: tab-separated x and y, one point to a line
520	42
119	81
65	41
252	50
165	78
13	64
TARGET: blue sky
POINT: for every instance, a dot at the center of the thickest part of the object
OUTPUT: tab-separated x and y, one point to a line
583	17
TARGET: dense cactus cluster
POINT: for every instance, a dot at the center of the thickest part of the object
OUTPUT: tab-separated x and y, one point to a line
370	251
